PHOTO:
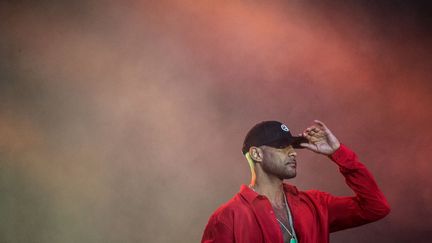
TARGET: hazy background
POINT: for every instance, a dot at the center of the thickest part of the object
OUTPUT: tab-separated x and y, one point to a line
122	121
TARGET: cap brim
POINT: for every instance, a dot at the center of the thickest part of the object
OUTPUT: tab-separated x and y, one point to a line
293	141
298	140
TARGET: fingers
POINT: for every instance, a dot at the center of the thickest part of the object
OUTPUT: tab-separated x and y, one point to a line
309	146
308	133
313	131
321	124
317	128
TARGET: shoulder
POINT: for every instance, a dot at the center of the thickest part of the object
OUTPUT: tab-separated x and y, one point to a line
223	217
310	195
316	194
227	211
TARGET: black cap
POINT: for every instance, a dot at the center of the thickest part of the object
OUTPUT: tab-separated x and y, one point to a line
271	133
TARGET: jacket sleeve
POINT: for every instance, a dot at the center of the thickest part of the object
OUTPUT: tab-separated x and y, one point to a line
217	231
368	204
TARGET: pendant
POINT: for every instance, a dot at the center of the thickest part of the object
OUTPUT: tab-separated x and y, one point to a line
293	240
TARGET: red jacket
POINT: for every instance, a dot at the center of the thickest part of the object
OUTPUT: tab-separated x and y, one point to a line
249	218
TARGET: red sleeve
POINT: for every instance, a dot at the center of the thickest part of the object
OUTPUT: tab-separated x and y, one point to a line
368	204
217	232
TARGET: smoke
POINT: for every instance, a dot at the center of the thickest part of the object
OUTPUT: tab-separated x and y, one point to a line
123	122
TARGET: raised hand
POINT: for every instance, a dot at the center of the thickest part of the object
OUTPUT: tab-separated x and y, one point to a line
321	139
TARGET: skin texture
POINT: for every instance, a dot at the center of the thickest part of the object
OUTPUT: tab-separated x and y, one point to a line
321	139
273	165
279	162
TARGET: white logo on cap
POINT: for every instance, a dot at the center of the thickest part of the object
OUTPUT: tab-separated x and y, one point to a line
284	127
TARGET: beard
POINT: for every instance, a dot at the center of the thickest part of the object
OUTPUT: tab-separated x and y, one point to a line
282	171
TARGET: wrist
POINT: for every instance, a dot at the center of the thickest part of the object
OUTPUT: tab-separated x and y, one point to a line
333	150
337	150
336	147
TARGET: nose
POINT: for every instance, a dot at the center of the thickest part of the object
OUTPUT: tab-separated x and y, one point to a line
291	152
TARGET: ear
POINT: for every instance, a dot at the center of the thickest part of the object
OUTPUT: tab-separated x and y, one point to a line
256	153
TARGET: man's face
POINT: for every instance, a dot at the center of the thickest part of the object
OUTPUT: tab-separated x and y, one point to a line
280	162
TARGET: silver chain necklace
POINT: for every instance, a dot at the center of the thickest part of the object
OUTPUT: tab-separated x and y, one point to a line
293	234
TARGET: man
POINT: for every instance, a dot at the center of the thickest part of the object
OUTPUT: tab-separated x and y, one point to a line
271	211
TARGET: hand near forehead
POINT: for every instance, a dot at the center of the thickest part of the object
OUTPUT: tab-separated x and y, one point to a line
321	139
